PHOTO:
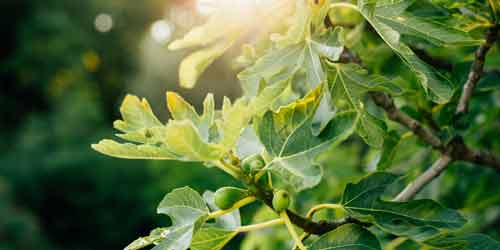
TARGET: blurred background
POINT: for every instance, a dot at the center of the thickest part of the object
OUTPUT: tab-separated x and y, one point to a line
65	67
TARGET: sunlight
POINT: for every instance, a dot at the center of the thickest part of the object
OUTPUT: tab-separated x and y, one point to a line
244	7
161	31
206	7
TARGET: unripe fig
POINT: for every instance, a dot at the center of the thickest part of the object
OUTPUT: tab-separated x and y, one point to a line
226	197
253	163
281	200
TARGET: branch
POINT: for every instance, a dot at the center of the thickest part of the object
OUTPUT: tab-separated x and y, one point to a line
430	174
476	70
395	114
460	151
457	149
308	225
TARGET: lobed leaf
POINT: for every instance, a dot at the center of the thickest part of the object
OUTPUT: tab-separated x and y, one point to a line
349	84
180	109
288	137
189	136
286	62
417	219
439	88
183	139
137	114
187	211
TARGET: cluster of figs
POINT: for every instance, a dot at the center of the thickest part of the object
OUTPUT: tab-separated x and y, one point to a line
227	197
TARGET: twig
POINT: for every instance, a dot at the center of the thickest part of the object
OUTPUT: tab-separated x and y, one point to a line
476	70
457	149
460	151
401	117
430	174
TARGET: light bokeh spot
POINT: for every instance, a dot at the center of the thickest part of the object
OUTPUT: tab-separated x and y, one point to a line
103	22
161	31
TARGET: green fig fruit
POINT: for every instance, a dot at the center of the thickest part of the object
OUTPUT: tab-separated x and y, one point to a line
281	200
226	197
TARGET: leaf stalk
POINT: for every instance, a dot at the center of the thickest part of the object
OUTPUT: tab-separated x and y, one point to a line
237	205
291	230
319	207
260	226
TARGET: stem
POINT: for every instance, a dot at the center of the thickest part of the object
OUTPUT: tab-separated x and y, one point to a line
259	226
270	180
316	208
303	237
237	205
430	174
292	231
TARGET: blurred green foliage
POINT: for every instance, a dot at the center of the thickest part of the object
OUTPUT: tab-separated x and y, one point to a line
61	80
60	84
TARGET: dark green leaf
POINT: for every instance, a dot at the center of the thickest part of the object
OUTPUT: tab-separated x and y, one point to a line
391	141
347	237
436	86
417	219
466	242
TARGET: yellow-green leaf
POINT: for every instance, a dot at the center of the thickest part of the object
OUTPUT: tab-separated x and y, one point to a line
137	114
196	63
183	139
235	118
211	238
133	151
